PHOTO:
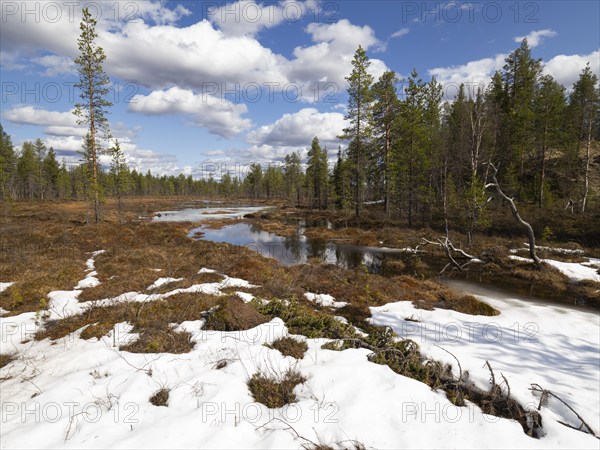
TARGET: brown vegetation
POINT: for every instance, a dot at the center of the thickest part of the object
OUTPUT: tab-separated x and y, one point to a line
275	392
6	358
232	314
160	397
289	346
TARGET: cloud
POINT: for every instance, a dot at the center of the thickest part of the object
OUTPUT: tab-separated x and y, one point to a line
247	17
29	115
473	73
197	56
566	68
330	58
11	61
56	65
218	116
157	12
401	32
535	38
299	128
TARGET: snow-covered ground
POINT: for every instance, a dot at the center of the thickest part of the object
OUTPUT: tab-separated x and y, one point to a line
76	393
575	271
554	346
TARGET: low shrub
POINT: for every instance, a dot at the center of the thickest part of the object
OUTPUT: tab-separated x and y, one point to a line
160	397
289	346
275	392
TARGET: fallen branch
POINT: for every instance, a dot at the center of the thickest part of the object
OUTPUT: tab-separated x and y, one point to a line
545	394
448	248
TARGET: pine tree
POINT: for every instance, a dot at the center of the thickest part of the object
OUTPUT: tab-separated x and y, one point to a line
293	177
583	105
521	76
40	154
27	171
119	172
385	112
64	182
253	181
51	172
7	165
412	153
317	174
93	87
549	105
359	115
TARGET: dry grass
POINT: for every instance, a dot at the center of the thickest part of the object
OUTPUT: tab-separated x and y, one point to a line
161	341
275	392
278	228
160	397
135	249
289	346
232	314
6	358
152	320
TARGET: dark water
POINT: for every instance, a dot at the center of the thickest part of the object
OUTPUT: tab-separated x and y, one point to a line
298	249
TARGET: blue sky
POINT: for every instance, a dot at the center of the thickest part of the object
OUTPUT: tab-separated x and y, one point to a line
233	83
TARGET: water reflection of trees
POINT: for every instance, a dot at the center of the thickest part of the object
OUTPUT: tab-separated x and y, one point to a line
292	249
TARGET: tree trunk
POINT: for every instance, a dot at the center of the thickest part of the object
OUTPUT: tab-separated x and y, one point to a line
587	169
543	166
94	158
515	213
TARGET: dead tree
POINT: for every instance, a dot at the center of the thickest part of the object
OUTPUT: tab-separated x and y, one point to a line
515	213
448	248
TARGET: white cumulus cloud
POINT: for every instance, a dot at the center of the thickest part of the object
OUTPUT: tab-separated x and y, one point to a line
218	116
535	38
299	128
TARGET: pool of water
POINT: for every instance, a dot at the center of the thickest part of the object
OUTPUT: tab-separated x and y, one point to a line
298	249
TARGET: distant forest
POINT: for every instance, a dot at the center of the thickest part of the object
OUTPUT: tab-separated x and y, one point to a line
419	157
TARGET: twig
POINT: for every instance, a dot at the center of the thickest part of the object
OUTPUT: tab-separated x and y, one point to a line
537	388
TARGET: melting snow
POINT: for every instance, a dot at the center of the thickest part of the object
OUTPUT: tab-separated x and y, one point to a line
161	282
575	271
324	300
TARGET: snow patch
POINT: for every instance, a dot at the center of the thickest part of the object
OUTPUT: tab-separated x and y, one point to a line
5	286
554	346
324	300
575	271
161	282
245	296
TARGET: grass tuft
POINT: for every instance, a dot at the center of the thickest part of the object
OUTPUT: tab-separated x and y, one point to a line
232	314
161	341
6	358
160	397
289	346
275	392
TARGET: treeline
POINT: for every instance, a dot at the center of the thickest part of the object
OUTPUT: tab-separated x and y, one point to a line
35	173
421	158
